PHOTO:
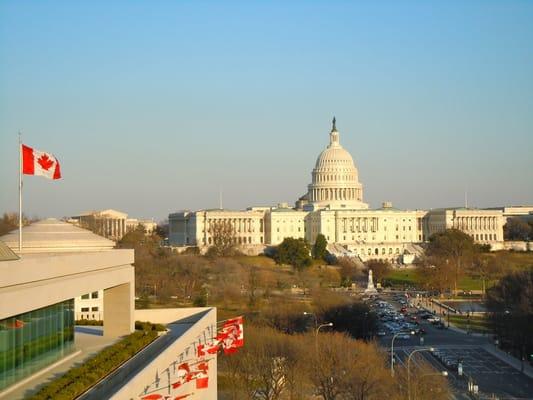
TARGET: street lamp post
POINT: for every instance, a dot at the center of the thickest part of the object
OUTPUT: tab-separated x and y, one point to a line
316	333
409	369
392	350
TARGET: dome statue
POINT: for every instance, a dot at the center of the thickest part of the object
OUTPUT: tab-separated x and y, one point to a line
335	181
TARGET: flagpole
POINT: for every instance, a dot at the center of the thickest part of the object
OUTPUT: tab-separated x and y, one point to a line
20	193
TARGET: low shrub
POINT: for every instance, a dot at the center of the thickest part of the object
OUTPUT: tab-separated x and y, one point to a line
148	326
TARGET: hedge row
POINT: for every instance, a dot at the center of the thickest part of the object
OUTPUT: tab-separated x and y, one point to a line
89	322
139	325
77	380
148	326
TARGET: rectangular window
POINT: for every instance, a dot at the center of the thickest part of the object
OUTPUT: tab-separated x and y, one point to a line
94	308
85	296
85	309
94	295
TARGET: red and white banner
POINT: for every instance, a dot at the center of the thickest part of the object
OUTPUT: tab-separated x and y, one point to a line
232	335
36	162
209	348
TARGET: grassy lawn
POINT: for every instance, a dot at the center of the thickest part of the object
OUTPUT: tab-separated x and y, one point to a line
469	283
477	324
411	277
514	259
403	277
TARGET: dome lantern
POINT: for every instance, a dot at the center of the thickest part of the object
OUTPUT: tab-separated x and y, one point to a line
334	135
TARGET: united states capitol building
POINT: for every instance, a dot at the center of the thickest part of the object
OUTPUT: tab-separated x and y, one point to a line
334	206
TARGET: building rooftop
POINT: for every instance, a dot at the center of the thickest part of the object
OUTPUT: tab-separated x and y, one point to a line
51	235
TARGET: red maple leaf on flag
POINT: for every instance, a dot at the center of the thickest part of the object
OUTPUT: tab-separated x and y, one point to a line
45	162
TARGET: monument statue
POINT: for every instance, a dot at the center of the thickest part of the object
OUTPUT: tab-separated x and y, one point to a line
370	286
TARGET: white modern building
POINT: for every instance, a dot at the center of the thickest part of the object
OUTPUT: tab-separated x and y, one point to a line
58	263
334	207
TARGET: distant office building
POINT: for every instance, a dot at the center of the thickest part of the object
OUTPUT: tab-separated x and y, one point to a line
524	213
148	225
111	224
333	206
59	263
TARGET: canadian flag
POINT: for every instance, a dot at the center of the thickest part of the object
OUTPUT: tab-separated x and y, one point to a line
232	335
36	162
208	348
202	381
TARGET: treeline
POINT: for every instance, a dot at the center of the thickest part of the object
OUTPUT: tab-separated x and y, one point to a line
452	255
518	229
10	221
163	276
510	303
332	366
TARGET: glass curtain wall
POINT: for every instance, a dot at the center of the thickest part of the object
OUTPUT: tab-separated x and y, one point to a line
33	340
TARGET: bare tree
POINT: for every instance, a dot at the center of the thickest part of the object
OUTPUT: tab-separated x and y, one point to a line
223	237
344	368
268	367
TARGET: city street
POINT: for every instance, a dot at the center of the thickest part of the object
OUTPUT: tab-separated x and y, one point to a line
494	376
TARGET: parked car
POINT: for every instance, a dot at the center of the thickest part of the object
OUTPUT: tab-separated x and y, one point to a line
404	336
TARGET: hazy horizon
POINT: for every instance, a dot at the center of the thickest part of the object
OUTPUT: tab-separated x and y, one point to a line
153	107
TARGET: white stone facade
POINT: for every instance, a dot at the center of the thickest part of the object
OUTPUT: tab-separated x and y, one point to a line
484	226
333	206
111	224
196	228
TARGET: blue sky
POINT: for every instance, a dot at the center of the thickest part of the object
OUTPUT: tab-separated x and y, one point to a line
153	106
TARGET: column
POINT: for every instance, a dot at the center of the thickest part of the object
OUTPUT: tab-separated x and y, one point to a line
119	307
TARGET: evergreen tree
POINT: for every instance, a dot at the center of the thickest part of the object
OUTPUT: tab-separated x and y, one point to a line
319	248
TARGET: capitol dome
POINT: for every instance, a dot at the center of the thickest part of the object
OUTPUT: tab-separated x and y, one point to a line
335	180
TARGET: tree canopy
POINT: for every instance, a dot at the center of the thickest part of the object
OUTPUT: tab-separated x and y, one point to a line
451	252
379	268
516	229
510	303
295	252
224	239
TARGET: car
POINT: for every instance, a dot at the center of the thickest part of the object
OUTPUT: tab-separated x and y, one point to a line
404	336
433	319
381	333
420	331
